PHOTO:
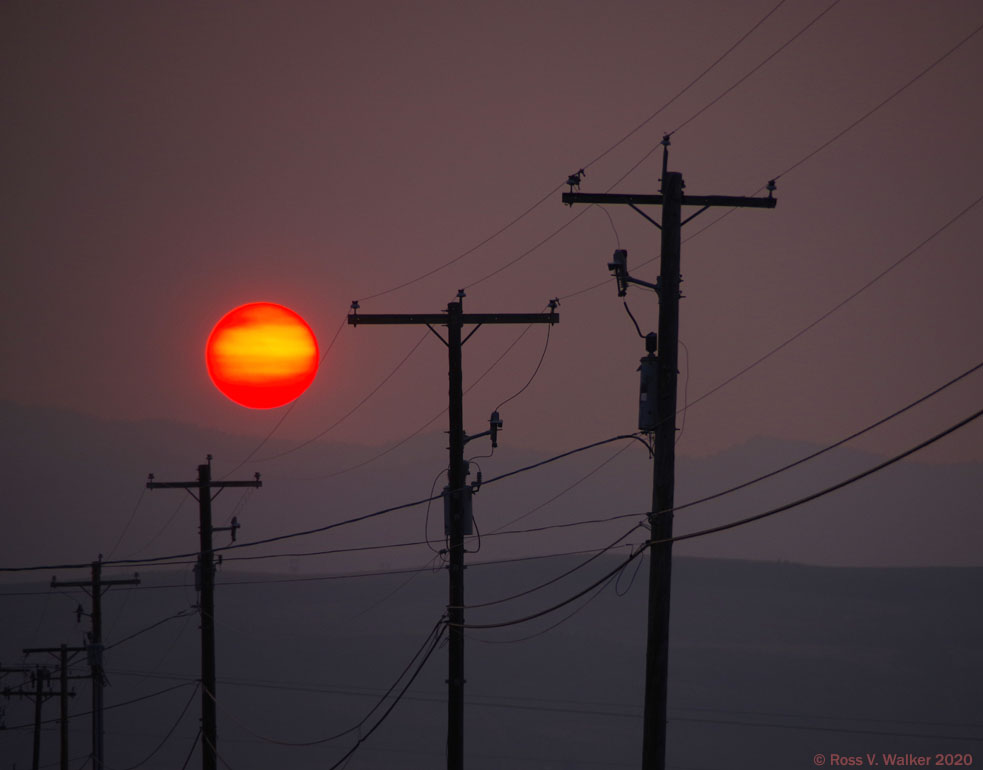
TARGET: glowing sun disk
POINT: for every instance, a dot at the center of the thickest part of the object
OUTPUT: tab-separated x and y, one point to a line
262	355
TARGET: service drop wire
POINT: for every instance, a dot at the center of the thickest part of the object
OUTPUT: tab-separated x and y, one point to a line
738	522
170	732
555	579
665	105
436	630
398	698
802	500
811	154
351	411
158	559
829	447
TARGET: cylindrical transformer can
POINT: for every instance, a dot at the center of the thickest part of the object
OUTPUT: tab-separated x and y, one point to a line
467	518
648	392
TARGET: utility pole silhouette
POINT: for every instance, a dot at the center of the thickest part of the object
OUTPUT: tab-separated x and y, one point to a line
659	379
64	694
458	494
96	587
206	578
41	676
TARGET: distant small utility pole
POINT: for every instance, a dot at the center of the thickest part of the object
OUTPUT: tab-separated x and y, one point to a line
96	586
458	493
206	577
659	375
41	676
63	694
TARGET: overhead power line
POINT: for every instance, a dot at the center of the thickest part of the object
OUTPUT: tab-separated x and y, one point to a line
167	737
351	411
434	635
829	447
170	558
734	524
549	195
882	103
761	64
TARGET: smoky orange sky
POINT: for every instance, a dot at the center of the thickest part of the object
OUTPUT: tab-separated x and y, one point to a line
165	163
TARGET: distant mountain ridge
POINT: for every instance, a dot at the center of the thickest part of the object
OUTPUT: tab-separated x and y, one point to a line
71	484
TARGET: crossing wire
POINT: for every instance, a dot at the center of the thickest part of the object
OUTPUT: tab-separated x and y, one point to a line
734	524
597	158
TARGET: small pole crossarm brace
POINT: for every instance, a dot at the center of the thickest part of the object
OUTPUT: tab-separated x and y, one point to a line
471	334
693	216
435	332
634	207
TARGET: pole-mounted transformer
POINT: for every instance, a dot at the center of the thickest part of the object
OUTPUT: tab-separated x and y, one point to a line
648	387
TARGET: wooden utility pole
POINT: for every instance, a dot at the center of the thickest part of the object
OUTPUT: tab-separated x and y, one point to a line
64	694
97	586
455	319
206	577
39	677
671	199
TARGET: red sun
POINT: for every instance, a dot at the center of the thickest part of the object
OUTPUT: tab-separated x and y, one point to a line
262	355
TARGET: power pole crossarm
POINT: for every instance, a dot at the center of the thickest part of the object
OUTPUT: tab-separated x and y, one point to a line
731	201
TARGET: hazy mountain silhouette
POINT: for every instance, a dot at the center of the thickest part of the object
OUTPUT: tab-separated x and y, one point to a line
72	481
770	665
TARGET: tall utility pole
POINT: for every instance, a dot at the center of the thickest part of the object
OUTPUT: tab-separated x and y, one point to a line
97	586
64	694
455	319
206	575
671	199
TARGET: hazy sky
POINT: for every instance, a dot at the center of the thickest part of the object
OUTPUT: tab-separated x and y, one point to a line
164	163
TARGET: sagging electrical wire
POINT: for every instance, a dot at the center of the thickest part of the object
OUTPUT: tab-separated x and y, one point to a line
554	580
761	64
191	751
689	85
167	737
736	523
789	340
181	614
835	444
580	480
542	357
425	425
577	610
856	434
557	188
432	638
351	411
105	708
631	582
882	103
560	605
805	158
801	501
840	304
399	697
682	412
426	518
428	566
129	522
